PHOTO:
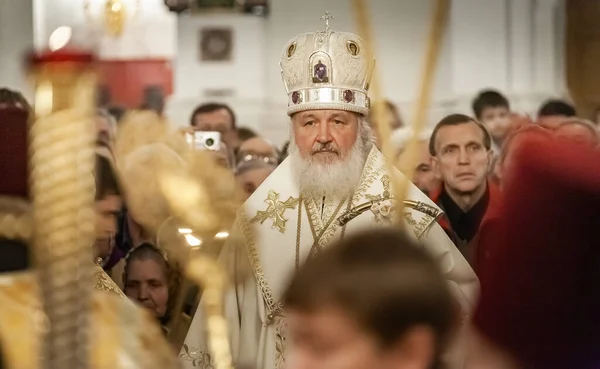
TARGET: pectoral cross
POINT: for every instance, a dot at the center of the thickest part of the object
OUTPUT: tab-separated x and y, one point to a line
326	18
275	210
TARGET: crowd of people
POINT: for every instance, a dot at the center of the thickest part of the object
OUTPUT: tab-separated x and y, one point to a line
495	267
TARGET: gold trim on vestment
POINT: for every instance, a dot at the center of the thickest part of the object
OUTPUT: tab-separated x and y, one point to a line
273	307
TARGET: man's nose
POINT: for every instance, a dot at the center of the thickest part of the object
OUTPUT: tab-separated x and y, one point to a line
463	157
143	293
324	133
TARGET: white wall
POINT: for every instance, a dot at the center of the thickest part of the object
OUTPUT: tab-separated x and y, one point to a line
243	76
150	30
512	45
16	40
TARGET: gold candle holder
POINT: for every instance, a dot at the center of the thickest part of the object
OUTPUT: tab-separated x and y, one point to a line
62	190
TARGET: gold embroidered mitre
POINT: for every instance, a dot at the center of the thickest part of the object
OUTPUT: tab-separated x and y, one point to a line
326	70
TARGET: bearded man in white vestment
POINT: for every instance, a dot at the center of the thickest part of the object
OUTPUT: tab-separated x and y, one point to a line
334	182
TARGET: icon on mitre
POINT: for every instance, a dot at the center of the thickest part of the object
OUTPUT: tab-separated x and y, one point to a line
320	74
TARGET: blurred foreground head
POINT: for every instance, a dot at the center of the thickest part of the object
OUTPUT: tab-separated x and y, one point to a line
540	300
374	300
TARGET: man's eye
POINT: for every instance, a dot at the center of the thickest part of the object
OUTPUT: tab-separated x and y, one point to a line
309	123
449	150
338	121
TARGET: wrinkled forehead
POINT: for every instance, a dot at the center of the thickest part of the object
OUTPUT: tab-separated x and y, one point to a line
146	266
459	134
326	114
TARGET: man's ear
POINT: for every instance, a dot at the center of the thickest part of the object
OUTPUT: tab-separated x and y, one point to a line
490	160
435	166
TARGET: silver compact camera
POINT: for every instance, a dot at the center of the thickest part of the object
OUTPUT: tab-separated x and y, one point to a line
204	140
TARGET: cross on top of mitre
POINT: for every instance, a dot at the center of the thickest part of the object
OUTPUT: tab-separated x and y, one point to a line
327	17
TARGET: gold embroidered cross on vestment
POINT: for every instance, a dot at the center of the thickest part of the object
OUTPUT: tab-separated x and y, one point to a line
275	210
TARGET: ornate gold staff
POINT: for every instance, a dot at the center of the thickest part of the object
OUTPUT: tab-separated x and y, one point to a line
200	204
194	203
438	24
62	189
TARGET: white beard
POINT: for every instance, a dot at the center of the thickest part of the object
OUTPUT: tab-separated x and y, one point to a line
336	180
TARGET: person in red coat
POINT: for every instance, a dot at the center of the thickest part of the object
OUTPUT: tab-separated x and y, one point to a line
488	228
540	302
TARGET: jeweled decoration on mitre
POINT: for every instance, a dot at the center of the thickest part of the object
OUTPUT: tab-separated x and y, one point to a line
327	70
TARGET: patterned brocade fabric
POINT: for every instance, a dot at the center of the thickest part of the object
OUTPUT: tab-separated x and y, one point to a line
122	335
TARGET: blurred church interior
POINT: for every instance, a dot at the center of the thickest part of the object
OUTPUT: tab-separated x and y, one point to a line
179	53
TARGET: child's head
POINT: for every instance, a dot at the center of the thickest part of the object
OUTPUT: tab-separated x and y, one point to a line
374	300
493	110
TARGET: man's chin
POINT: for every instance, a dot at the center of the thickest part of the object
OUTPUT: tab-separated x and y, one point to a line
466	189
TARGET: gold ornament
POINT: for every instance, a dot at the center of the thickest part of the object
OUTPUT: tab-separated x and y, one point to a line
198	200
115	15
275	210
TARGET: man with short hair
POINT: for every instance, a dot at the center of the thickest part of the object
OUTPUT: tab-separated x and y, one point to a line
217	117
333	184
461	150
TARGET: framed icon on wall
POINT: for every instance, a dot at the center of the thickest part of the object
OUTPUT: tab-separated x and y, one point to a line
216	44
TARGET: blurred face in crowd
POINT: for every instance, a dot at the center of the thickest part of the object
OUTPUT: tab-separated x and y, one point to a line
330	339
147	285
577	133
551	122
251	179
105	130
257	146
424	177
389	117
220	121
507	157
496	120
328	148
107	213
462	161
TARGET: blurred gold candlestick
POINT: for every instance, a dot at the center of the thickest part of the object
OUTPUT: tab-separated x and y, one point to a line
62	190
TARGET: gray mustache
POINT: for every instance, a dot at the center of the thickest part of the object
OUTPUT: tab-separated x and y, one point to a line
324	148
